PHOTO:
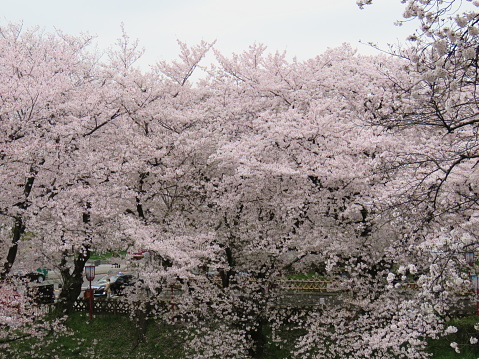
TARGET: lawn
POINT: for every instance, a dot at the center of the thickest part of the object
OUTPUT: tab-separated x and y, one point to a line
441	349
116	336
106	336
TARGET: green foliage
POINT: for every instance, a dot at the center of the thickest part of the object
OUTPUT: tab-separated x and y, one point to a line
283	346
441	348
107	255
106	336
117	336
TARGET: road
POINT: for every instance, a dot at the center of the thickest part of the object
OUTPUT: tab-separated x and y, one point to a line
100	271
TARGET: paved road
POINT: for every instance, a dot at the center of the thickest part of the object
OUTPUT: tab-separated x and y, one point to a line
100	271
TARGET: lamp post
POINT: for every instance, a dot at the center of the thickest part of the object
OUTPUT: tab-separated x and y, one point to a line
90	275
469	256
475	285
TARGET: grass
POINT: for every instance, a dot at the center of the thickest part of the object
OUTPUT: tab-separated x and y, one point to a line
108	255
106	336
441	349
116	336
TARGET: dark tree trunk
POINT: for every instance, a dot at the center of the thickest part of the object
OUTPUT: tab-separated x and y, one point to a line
18	226
259	341
72	282
141	326
18	230
225	275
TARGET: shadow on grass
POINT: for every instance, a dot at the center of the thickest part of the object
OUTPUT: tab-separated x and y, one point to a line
116	336
441	348
106	336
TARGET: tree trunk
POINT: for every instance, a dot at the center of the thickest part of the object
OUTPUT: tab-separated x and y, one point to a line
72	282
259	341
18	226
141	323
18	230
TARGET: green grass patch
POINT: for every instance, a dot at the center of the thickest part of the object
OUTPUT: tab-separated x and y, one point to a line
441	348
95	256
106	336
117	336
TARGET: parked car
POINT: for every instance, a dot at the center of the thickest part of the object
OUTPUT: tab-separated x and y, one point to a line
35	276
140	255
42	293
100	280
117	284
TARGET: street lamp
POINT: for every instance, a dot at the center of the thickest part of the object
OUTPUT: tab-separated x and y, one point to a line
475	285
90	275
469	258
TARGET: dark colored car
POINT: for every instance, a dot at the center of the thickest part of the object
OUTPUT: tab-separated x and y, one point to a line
42	294
117	284
36	276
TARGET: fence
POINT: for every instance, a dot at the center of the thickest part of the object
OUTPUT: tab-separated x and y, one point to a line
295	292
118	306
303	285
297	285
103	306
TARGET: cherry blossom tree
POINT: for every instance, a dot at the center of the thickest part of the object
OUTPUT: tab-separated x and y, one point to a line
26	119
45	77
42	78
431	119
365	165
57	152
281	165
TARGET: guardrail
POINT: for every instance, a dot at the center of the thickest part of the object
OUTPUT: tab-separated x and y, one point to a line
325	285
304	285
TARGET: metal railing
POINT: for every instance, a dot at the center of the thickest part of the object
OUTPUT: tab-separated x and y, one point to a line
305	285
298	285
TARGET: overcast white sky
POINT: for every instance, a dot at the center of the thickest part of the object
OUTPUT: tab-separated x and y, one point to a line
304	28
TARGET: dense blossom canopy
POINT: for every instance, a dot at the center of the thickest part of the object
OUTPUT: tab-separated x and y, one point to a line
362	169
